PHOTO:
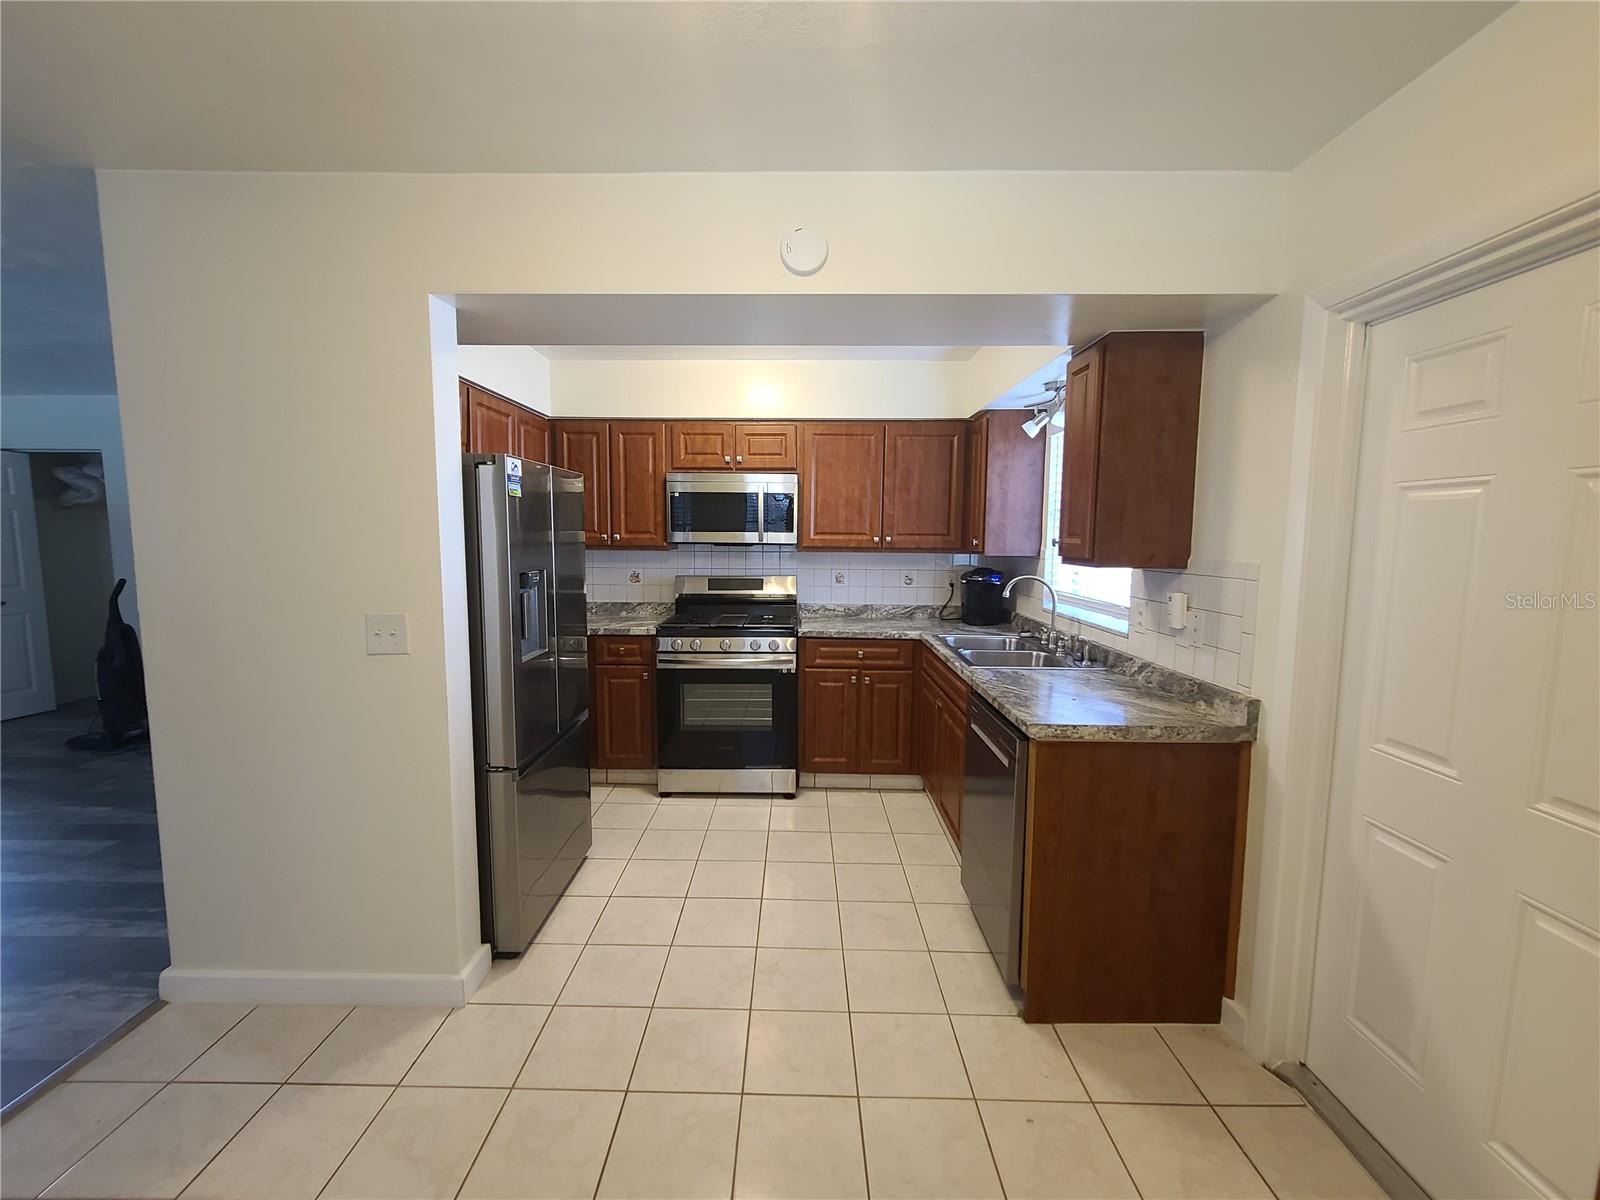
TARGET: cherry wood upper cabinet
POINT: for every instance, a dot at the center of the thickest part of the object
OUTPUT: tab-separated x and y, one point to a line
766	447
1132	423
1005	486
533	436
492	423
923	477
638	483
841	485
700	446
585	447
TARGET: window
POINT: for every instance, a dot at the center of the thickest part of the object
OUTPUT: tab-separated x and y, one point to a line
1097	595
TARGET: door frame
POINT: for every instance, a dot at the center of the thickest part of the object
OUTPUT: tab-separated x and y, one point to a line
1324	462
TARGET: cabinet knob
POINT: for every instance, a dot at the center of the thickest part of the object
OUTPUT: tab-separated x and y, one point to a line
725	458
852	679
869	680
861	653
974	541
874	537
738	458
616	537
890	538
644	675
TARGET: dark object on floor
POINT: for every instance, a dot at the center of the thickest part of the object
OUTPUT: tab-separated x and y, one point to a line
120	672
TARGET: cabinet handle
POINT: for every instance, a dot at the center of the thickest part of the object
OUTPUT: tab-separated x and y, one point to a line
852	679
974	541
861	653
645	675
725	458
869	680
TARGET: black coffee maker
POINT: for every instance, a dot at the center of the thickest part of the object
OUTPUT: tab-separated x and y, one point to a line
980	597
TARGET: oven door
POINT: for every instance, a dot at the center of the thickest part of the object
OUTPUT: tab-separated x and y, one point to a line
718	509
715	716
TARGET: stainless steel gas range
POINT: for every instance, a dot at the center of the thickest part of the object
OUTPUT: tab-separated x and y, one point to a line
727	695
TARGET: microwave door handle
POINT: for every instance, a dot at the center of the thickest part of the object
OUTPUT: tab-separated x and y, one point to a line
761	512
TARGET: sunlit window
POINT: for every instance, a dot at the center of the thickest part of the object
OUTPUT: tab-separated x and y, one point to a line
1102	591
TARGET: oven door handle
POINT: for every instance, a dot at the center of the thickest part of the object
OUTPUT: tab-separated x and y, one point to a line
726	662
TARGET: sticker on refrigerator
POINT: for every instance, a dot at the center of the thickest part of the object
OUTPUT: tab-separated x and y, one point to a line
513	476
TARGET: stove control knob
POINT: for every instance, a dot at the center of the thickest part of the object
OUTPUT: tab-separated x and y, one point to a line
695	644
725	644
677	643
772	645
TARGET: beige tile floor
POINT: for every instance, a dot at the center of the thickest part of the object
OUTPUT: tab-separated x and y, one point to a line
737	998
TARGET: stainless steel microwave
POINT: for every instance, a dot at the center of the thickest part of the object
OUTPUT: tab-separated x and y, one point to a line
731	508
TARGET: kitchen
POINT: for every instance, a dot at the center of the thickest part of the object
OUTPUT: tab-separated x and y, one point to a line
1059	768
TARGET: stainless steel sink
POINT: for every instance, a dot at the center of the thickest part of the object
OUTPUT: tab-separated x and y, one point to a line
1020	658
989	641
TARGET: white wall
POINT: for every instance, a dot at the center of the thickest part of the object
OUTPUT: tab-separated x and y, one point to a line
815	388
520	373
81	423
315	804
1498	131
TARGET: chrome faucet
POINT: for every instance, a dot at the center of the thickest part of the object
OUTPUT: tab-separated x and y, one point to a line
1050	642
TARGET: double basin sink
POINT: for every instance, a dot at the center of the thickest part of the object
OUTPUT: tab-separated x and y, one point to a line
1007	650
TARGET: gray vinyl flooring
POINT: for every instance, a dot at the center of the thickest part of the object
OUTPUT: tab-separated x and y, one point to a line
83	927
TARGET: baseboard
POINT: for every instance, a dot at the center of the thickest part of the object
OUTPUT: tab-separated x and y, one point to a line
196	986
1234	1018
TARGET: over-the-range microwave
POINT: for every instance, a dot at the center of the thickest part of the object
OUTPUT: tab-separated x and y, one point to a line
732	508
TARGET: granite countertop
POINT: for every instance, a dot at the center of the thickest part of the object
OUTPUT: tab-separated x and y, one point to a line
1129	700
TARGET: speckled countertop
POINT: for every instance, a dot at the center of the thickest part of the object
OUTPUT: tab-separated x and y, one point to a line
1129	700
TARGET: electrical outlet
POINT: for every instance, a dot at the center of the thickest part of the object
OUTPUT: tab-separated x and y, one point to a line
386	633
1191	632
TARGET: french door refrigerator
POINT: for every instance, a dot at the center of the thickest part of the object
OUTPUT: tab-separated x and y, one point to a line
530	688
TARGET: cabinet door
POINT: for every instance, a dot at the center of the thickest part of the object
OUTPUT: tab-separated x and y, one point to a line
638	483
1080	454
624	716
977	479
887	704
773	447
923	475
585	447
829	702
533	436
493	421
700	446
952	740
841	485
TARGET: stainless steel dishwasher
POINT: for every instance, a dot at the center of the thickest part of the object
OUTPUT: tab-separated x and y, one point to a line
993	823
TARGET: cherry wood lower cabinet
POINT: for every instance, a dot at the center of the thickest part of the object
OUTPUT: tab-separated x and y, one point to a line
622	690
941	737
857	700
1130	870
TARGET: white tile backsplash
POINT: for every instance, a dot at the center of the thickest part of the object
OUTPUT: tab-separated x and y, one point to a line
824	577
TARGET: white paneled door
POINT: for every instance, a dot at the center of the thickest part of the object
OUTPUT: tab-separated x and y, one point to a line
25	681
1456	1006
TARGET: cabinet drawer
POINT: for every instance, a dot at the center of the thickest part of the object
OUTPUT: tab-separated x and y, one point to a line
622	651
945	679
842	652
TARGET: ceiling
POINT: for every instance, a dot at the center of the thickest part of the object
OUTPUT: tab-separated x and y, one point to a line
465	86
892	326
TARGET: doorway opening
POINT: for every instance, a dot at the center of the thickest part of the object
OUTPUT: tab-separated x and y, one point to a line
83	930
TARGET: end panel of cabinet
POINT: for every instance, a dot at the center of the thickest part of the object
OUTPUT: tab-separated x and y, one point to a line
1131	853
841	485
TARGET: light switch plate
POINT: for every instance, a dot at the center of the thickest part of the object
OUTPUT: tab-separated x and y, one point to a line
386	633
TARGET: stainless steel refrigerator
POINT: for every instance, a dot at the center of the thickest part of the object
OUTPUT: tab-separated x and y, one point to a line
530	688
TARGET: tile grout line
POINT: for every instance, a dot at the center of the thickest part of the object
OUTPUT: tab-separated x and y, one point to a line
1116	1149
163	1085
1213	1110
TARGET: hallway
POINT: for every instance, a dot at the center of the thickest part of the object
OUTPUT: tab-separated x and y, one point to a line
83	931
